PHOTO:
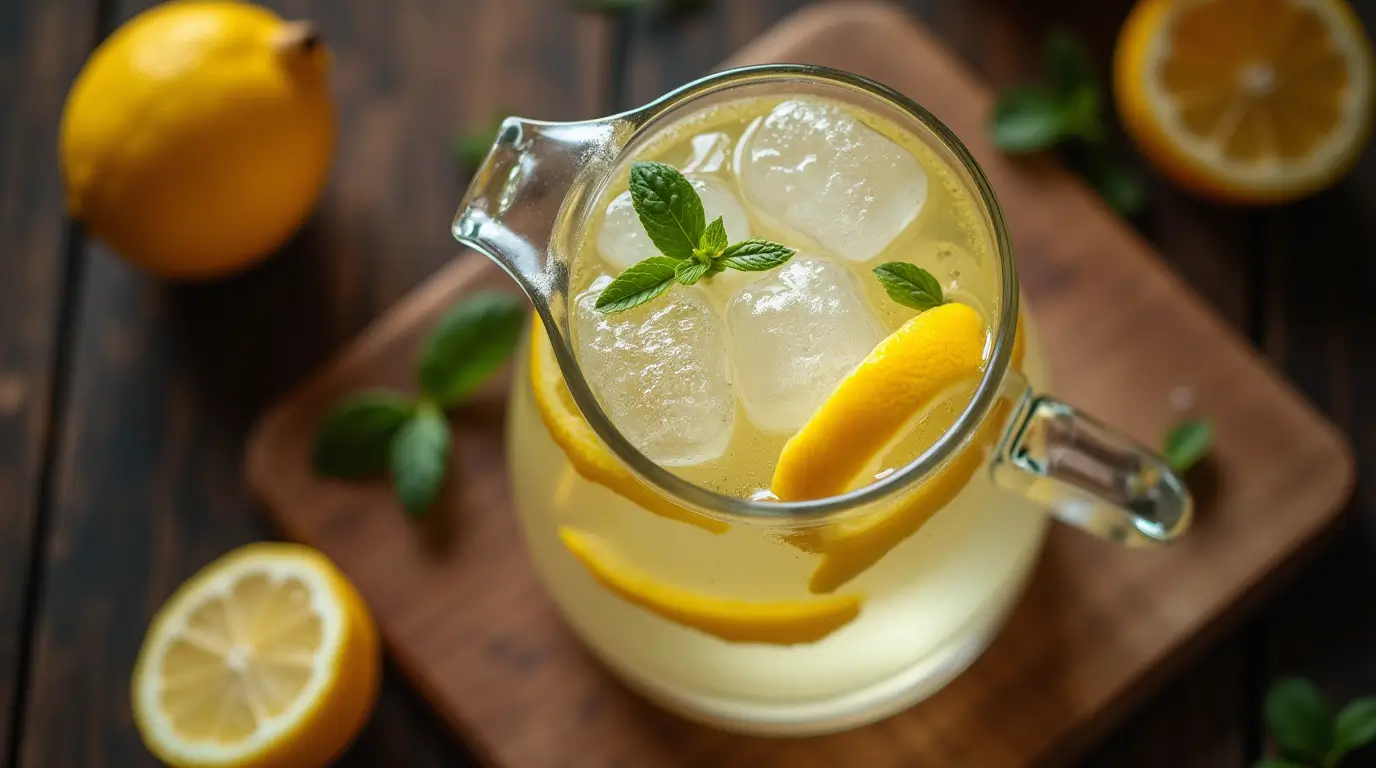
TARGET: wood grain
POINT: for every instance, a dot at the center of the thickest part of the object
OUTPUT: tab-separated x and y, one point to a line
165	380
42	43
1099	629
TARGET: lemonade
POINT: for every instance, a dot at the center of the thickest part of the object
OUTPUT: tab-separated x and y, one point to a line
748	623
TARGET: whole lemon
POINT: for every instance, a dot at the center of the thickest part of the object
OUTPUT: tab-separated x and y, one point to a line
198	136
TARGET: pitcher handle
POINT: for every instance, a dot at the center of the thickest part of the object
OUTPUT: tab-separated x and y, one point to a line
1091	476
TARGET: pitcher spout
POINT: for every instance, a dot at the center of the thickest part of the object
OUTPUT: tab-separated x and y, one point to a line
537	179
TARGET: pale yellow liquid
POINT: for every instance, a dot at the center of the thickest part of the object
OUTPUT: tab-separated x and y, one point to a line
931	604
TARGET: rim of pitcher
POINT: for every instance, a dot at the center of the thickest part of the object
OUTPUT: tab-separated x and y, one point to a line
912	474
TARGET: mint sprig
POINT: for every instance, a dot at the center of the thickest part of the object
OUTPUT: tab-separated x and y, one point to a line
691	249
1306	731
1066	111
382	431
910	285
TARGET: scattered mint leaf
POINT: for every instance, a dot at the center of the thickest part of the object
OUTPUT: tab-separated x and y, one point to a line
1066	112
1082	114
755	256
1187	442
669	208
638	284
1355	727
356	437
472	144
713	239
672	215
1121	186
1300	719
910	285
419	458
468	345
689	272
1069	65
381	430
1027	120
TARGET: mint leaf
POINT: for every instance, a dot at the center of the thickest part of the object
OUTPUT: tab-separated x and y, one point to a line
1355	727
669	208
1121	186
419	459
356	436
1028	120
1069	65
469	344
1186	443
689	272
910	285
1300	719
472	144
754	256
1082	115
714	239
638	284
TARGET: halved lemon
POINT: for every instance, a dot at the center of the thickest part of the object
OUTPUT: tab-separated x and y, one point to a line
586	452
902	376
266	657
1253	101
778	622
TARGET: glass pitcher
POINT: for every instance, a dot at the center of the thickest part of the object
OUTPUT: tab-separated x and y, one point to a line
735	608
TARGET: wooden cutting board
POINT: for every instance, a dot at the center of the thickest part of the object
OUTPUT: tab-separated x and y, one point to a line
1100	627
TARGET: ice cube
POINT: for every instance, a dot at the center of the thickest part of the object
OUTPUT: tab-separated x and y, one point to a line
661	372
622	240
709	153
811	166
795	334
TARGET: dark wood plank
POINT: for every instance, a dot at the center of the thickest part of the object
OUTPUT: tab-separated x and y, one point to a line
1320	325
42	43
1201	718
167	379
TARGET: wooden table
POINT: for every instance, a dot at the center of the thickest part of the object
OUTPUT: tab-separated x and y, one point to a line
124	403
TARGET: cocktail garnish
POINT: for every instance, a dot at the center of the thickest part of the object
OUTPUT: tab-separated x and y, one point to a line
691	249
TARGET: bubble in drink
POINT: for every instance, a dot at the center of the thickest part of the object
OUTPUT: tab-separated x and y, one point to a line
795	333
661	373
622	239
810	165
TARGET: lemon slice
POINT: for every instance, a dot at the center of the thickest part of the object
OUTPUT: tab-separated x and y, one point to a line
850	547
867	411
586	452
780	622
1246	100
266	657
